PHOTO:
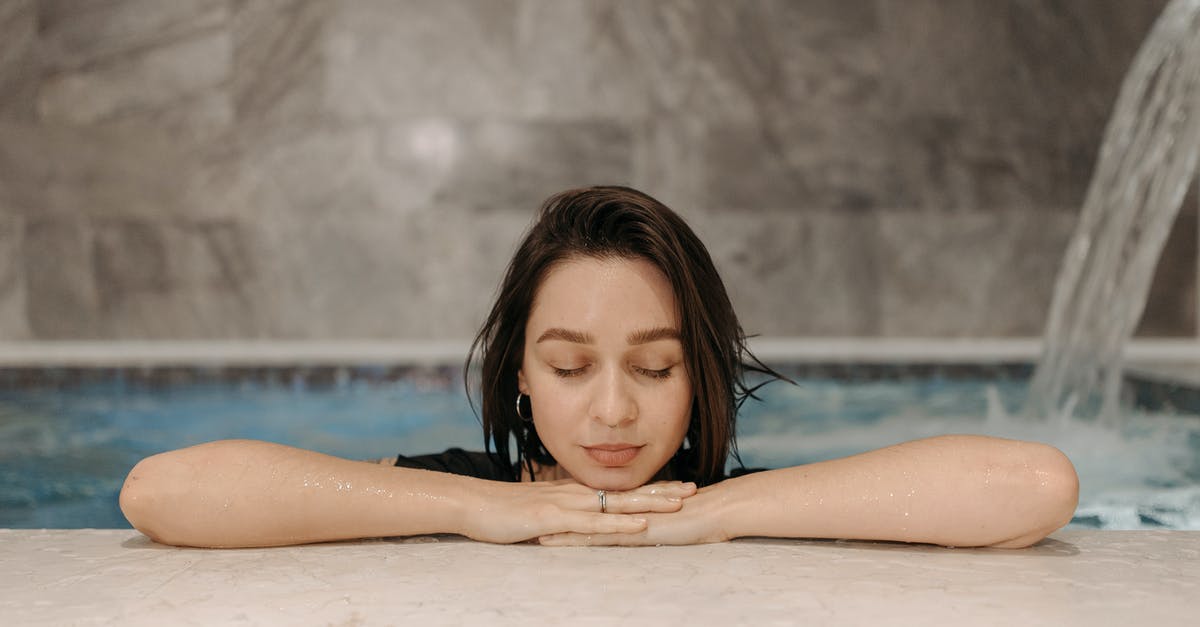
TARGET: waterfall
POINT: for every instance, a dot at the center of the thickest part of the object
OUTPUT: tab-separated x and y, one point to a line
1146	162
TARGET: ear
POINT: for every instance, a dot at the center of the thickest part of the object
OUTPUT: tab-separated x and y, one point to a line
521	385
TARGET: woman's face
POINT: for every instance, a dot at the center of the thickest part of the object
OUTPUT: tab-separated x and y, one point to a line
603	367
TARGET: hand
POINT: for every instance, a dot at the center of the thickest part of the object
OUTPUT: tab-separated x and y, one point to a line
515	512
696	522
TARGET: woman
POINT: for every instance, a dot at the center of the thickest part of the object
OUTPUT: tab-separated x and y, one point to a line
614	361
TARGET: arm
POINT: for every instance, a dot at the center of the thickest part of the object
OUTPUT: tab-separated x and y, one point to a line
955	490
248	493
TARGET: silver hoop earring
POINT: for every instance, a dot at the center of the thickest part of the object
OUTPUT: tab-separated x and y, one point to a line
519	414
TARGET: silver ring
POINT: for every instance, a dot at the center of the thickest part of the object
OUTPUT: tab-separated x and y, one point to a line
603	501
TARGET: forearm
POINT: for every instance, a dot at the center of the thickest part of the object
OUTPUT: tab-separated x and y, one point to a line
247	493
950	490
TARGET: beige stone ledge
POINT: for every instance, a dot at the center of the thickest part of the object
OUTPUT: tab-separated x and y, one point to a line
118	577
451	352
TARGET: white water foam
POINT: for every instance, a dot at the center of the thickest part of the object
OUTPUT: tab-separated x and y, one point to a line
1141	474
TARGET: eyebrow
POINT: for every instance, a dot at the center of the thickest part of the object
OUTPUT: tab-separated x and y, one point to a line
566	335
643	336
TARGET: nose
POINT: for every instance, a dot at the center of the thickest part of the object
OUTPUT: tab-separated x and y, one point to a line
612	402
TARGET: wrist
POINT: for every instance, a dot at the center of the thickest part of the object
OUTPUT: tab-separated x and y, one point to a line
737	510
428	502
719	509
470	501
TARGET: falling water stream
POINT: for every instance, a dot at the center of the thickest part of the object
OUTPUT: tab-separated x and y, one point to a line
1146	162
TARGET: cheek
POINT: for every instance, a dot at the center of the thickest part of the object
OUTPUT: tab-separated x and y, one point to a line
673	406
553	403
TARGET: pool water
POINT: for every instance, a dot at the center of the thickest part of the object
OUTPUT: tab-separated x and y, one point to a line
64	451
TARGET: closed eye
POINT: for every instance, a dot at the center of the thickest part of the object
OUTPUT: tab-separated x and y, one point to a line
654	374
569	372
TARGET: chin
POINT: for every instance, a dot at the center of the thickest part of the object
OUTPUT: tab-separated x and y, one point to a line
616	479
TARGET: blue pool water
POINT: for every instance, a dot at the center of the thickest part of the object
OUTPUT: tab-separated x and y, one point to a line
65	449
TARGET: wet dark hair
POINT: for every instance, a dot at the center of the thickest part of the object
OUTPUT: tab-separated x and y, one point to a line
619	222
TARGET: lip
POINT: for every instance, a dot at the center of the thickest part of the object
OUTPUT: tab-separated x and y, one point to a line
613	455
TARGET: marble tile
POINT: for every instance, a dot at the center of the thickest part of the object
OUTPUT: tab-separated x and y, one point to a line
22	173
129	257
795	118
306	173
424	57
666	162
513	58
74	35
13	322
426	276
63	300
1003	104
603	41
19	61
133	279
352	278
181	85
982	274
853	166
175	280
779	56
205	117
661	41
791	273
1059	61
466	257
947	163
97	172
525	58
774	107
513	165
279	62
809	163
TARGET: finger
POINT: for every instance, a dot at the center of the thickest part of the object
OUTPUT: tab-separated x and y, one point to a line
637	503
603	539
590	523
667	488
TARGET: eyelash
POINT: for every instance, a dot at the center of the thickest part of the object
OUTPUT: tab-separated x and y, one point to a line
567	373
665	373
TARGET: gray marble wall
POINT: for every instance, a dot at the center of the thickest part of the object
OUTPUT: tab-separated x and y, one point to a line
362	169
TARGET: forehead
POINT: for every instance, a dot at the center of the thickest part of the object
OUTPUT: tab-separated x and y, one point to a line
627	293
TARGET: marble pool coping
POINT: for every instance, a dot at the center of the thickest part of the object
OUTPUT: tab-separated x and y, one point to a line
1180	354
1083	577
